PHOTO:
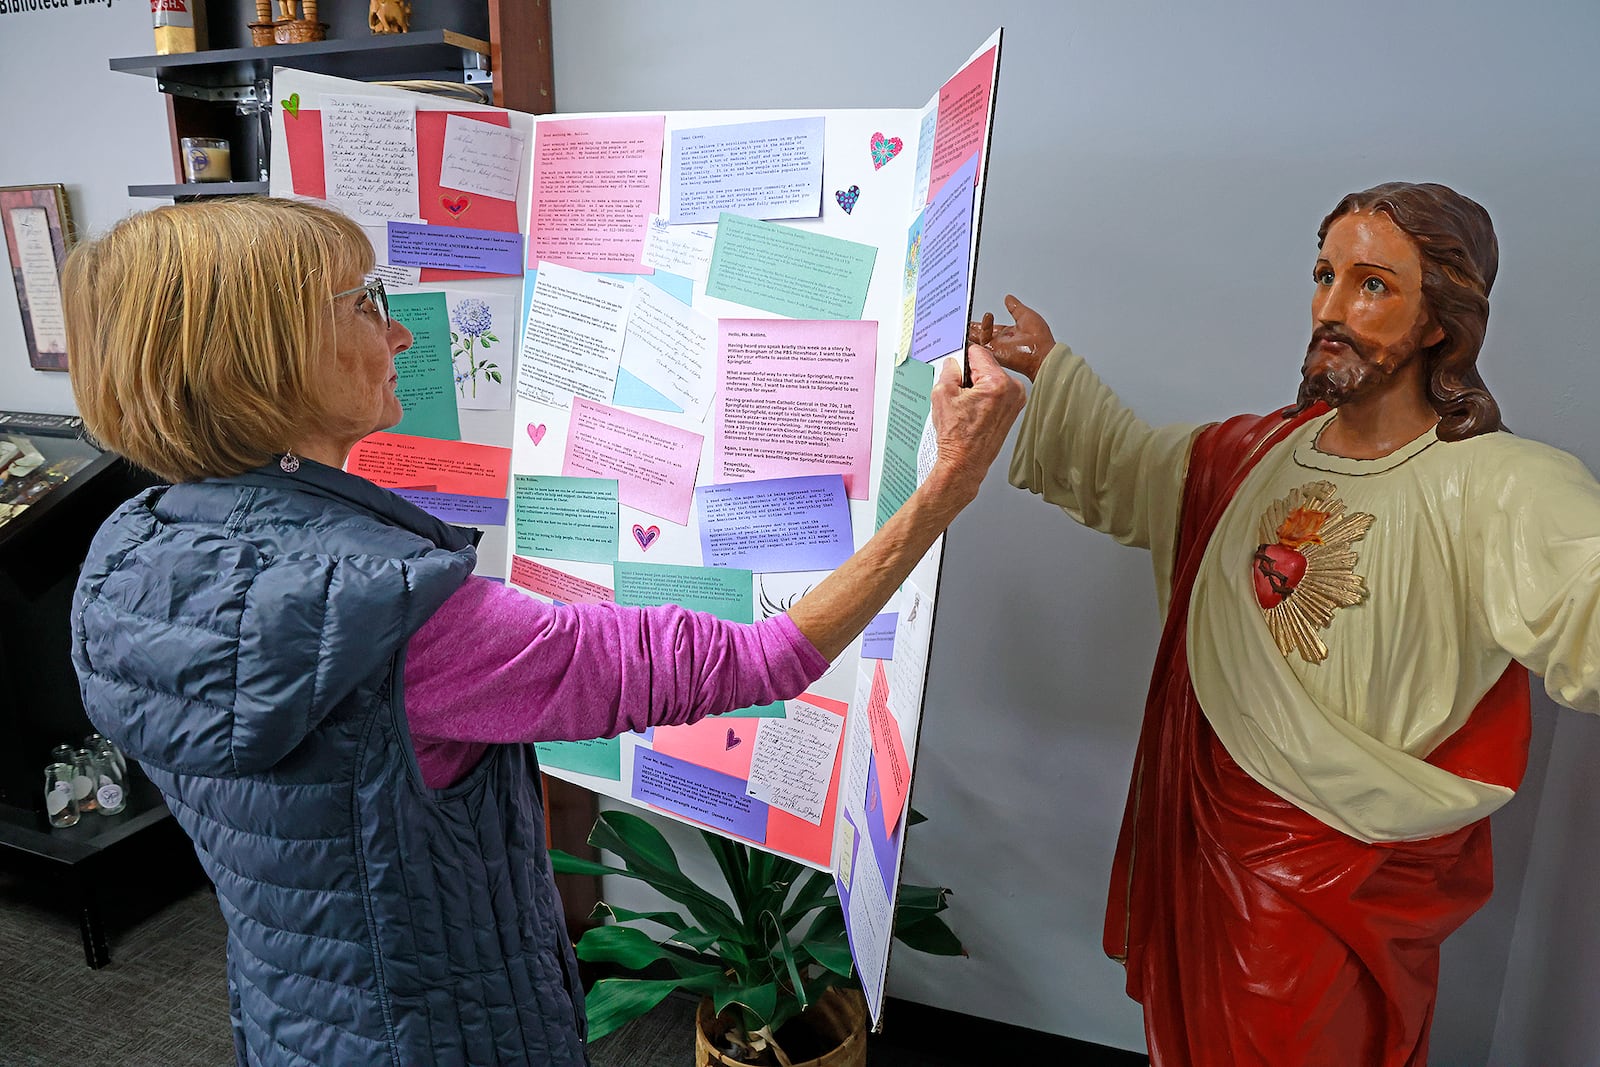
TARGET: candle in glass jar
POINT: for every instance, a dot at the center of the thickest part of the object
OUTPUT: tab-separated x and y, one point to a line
206	159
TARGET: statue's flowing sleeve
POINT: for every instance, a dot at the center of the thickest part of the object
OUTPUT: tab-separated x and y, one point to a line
1534	513
1082	450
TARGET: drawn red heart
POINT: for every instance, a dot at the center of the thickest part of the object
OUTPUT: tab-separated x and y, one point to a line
536	432
1278	570
734	740
454	204
646	538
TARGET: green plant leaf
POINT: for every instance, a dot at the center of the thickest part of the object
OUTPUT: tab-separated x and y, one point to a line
692	936
566	863
670	919
496	376
929	934
785	953
833	955
735	871
814	892
455	338
650	859
922	898
634	949
490	337
644	839
828	925
760	1000
615	1002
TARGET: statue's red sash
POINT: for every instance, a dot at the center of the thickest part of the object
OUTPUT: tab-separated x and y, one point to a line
1253	933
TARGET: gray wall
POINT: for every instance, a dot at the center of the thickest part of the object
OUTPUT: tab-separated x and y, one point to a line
1155	183
1156	180
69	120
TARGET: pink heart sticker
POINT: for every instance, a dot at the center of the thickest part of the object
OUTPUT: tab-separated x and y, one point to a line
884	149
536	432
734	740
646	538
454	204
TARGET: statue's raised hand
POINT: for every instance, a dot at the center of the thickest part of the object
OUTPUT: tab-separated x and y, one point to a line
1021	347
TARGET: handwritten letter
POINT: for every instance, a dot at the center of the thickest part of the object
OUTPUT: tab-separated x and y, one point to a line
792	765
671	347
369	156
480	157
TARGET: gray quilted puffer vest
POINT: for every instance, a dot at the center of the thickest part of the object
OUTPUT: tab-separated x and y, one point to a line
244	639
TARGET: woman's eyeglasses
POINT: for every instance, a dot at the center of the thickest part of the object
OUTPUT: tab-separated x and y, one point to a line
375	294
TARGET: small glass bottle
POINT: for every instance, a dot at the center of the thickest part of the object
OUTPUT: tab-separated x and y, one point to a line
104	748
111	794
59	801
84	779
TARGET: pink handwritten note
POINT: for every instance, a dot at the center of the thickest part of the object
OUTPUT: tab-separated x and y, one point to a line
894	771
654	464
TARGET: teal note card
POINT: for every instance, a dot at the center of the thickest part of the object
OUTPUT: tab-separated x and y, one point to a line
566	518
798	273
726	592
426	386
909	404
601	757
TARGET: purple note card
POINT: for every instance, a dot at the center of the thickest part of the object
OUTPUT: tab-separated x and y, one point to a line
885	847
777	524
877	642
939	323
458	508
453	248
706	796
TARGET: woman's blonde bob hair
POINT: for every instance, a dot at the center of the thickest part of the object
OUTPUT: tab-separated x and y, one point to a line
195	332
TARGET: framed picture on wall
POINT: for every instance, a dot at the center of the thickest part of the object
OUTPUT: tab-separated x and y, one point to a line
38	230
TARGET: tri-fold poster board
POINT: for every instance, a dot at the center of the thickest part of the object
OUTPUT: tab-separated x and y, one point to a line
684	357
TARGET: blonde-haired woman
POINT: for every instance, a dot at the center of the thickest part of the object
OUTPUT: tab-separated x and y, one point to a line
337	711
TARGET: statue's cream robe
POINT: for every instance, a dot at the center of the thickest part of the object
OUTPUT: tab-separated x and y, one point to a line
1480	552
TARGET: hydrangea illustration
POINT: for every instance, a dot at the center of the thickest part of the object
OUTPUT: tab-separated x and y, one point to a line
471	337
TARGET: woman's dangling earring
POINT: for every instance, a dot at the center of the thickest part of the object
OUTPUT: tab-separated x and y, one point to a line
289	463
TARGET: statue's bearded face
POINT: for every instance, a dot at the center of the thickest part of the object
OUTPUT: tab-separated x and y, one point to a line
1368	315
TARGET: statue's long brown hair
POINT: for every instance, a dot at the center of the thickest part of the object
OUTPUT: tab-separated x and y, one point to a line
1460	258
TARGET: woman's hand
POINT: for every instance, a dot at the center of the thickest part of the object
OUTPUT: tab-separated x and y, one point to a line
1021	347
971	424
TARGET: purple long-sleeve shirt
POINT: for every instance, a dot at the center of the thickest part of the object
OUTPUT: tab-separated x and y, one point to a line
493	666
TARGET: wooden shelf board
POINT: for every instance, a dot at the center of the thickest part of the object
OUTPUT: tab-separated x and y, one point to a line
425	53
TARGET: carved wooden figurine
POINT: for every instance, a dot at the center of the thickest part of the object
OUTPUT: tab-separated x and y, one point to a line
389	16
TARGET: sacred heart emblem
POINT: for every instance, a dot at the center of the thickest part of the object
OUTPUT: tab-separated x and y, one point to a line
291	106
734	740
456	205
884	149
1303	569
536	431
646	538
847	198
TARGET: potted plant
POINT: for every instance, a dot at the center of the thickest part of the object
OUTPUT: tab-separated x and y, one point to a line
768	954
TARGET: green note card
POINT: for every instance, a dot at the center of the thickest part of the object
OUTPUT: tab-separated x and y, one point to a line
798	273
566	518
427	380
910	400
601	757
